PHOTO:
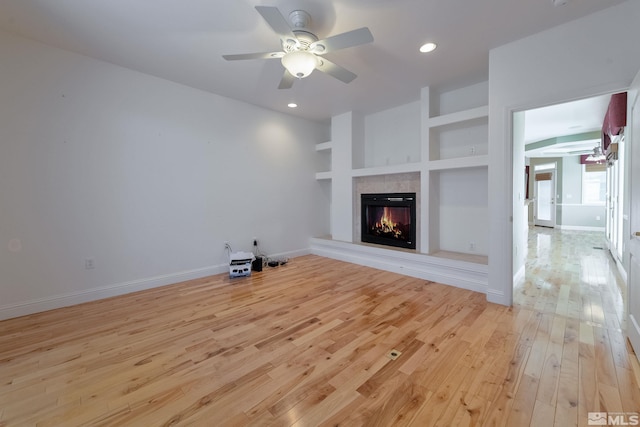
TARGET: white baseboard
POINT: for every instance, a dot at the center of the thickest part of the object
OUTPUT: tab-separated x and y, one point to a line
290	254
519	275
461	274
621	270
497	297
580	228
72	298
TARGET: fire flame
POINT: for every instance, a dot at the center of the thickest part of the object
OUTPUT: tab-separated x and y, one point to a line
387	224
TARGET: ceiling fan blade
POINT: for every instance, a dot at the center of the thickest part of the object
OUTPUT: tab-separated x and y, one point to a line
276	21
258	55
342	41
336	71
287	80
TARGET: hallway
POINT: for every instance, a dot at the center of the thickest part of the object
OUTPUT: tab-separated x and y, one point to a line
572	273
579	353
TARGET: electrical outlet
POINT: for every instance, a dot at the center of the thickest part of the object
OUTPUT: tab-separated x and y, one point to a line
472	246
89	263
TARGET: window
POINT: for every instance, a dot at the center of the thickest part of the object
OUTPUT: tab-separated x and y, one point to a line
594	184
544	166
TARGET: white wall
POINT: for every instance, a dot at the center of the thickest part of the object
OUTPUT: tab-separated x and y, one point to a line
573	213
593	55
475	95
392	136
462	204
145	176
520	223
343	128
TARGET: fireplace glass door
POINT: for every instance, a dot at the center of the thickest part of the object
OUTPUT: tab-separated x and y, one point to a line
389	219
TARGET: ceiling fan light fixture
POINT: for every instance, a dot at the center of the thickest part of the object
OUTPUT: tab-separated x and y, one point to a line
597	155
300	63
428	47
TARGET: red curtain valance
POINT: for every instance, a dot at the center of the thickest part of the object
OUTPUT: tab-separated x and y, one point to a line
615	119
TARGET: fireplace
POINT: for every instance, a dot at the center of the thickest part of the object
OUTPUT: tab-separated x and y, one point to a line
389	219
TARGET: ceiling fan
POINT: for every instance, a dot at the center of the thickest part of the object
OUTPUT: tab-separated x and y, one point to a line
302	51
597	155
579	152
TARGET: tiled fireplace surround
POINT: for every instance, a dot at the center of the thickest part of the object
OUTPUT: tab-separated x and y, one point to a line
396	183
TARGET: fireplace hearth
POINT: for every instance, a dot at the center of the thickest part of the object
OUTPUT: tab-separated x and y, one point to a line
389	219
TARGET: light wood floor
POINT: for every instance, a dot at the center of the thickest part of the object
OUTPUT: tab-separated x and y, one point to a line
307	344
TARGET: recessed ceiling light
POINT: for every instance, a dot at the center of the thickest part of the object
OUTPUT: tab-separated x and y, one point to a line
292	105
428	47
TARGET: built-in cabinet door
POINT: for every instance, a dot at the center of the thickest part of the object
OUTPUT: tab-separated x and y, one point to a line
545	198
633	129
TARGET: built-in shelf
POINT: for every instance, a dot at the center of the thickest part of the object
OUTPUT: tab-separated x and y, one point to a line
323	175
388	170
459	116
459	135
323	160
460	162
458	211
324	146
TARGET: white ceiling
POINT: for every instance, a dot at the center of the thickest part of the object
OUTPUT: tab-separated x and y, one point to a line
183	40
570	118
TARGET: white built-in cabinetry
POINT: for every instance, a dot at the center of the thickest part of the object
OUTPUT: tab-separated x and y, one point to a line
323	168
456	148
450	138
458	140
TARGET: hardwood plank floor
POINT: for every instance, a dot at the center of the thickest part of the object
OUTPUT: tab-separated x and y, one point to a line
308	343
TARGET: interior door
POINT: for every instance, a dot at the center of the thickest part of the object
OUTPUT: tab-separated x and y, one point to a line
633	144
545	198
613	208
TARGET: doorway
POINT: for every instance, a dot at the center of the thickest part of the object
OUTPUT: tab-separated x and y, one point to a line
544	193
552	143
